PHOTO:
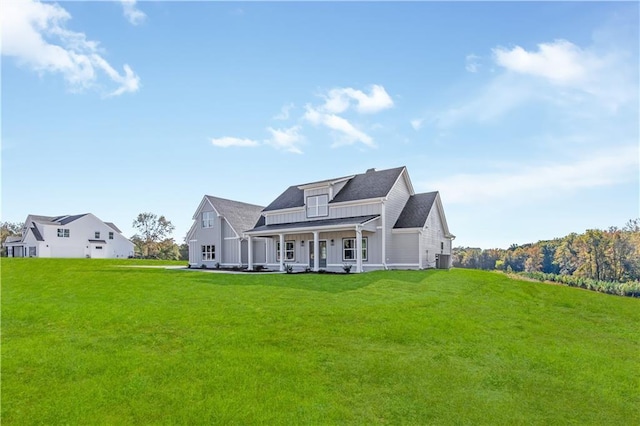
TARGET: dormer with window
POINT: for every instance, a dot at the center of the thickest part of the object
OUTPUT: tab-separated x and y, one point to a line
318	205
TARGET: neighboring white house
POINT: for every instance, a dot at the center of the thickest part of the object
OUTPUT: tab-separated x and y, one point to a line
215	238
82	235
373	220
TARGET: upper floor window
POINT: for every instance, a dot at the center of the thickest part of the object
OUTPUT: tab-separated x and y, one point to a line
63	232
318	205
111	235
207	219
97	234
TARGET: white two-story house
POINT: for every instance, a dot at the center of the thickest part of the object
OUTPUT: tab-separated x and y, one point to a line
82	235
373	220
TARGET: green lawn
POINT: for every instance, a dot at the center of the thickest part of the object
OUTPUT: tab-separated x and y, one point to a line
90	342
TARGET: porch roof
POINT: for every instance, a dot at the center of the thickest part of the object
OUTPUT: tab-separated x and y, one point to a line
312	225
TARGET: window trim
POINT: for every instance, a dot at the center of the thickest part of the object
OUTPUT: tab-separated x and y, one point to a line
97	235
111	235
63	233
365	249
208	252
310	208
209	222
286	251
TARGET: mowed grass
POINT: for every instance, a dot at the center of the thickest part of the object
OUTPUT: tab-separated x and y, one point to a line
92	342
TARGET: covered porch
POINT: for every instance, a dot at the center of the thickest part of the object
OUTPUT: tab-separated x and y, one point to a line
326	244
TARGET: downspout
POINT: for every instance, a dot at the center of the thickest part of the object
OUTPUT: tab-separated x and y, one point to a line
420	247
384	235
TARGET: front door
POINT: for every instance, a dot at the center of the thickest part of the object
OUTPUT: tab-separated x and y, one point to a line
323	253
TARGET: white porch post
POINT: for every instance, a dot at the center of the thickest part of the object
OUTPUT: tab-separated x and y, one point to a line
358	249
316	251
250	254
281	252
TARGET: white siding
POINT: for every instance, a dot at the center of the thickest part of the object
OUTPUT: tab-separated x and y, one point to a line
397	199
205	237
434	234
404	249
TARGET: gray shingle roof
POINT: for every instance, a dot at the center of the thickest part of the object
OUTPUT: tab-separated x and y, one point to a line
316	223
113	226
241	216
372	184
36	233
416	210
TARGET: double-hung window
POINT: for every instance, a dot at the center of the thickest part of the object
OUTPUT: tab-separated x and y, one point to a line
289	251
63	232
318	205
111	235
97	235
207	219
208	252
349	248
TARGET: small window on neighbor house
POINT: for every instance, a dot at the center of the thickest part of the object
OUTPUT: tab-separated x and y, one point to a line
63	232
208	219
349	248
208	252
111	235
97	234
289	251
318	205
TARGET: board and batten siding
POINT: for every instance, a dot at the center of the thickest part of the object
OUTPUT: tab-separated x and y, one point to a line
207	236
393	207
405	249
434	234
335	212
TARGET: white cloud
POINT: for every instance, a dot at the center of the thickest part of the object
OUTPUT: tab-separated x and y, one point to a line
285	112
417	123
338	100
226	142
286	139
571	81
561	62
472	63
346	132
29	29
525	182
134	15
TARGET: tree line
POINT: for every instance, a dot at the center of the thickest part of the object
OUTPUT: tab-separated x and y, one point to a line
611	255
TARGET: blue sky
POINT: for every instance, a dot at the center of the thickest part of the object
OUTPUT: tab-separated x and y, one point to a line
523	115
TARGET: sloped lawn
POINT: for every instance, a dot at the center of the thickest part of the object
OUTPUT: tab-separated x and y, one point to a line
92	342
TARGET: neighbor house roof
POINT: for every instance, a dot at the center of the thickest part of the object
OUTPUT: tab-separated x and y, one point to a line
241	216
113	226
36	233
416	210
357	220
371	184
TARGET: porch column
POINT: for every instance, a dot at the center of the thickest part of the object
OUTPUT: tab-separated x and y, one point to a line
316	251
281	252
358	249
250	254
